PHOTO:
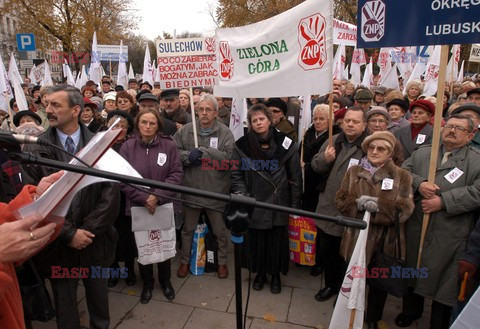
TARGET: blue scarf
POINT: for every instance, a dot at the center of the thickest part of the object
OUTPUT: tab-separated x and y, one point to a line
367	165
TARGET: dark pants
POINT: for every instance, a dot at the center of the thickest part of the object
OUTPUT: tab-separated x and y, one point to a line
146	272
334	266
440	315
65	294
376	303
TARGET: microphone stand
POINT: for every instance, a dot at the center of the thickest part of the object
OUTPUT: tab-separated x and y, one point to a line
236	219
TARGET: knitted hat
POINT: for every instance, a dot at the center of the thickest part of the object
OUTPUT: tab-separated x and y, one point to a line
379	110
383	135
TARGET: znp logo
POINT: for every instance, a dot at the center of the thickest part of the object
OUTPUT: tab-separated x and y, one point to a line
312	40
226	61
373	20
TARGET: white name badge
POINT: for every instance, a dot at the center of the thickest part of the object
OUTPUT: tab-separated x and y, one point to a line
421	138
353	162
286	143
214	142
291	119
387	184
453	175
161	159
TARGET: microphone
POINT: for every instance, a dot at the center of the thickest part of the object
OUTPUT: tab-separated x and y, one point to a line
12	141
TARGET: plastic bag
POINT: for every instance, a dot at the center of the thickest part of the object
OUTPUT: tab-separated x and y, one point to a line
301	237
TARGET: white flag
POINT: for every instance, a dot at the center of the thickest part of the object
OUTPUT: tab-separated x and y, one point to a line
431	73
95	70
358	59
352	293
82	78
452	67
238	117
460	72
368	75
306	116
147	67
403	58
385	64
47	78
67	73
122	75
32	76
5	89
131	74
391	78
339	63
420	66
16	81
288	54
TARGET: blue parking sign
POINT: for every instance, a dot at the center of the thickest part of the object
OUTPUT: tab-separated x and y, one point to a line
26	42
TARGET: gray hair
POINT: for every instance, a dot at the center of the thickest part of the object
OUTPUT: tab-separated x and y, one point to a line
74	94
209	98
322	109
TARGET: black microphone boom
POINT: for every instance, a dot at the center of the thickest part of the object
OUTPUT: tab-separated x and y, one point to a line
247	201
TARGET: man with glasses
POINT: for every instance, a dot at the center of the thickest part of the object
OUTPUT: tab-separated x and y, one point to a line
471	111
452	202
215	145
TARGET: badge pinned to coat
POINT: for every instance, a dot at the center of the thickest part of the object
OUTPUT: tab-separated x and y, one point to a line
162	158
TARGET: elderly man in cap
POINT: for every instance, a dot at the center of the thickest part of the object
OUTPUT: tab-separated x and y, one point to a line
279	110
452	202
379	96
473	96
471	111
150	101
420	131
172	110
133	84
106	86
145	85
215	143
378	119
363	98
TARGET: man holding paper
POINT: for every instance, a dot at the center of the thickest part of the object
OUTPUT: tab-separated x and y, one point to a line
88	237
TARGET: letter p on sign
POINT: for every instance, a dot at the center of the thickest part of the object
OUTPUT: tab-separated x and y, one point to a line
26	42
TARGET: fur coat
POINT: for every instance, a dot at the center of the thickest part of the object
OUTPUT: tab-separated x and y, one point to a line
399	199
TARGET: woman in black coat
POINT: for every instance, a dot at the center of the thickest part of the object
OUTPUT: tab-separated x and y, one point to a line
269	170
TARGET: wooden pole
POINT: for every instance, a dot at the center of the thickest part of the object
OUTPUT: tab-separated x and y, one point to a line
330	119
352	319
435	140
195	138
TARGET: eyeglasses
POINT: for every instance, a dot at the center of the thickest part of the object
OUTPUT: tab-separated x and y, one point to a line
380	149
276	111
452	127
123	101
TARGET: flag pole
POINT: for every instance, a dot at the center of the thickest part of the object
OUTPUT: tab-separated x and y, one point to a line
435	140
352	319
195	138
330	119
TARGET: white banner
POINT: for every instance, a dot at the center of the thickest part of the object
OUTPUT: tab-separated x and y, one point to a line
187	71
238	117
475	53
287	55
344	33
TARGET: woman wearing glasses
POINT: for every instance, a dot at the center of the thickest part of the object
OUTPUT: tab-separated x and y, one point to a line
376	185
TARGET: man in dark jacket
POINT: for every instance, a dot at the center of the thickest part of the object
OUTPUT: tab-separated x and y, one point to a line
88	238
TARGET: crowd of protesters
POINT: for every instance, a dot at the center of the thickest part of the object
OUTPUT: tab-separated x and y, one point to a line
377	161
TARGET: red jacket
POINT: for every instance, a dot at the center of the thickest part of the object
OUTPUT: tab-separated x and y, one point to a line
11	310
